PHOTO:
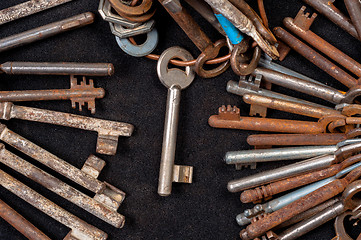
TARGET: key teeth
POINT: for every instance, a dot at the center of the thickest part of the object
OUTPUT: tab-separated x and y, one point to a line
229	112
303	20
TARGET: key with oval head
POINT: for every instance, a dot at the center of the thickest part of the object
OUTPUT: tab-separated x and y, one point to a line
175	80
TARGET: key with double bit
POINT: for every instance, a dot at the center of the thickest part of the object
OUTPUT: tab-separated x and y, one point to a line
27	8
175	80
78	94
108	131
79	228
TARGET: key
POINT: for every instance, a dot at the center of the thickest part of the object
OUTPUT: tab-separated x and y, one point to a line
86	177
318	196
340	227
301	139
266	191
291	170
46	31
62	189
60	68
285	200
354	10
108	131
300	26
175	80
209	49
20	223
28	8
79	228
345	203
328	9
78	94
229	117
280	154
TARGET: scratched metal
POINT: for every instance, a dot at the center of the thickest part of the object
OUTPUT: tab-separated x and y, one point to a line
108	131
27	8
79	229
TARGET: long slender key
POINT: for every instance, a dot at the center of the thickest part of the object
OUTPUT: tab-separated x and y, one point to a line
86	177
46	31
175	80
27	8
354	9
64	190
78	94
20	223
57	68
108	131
79	228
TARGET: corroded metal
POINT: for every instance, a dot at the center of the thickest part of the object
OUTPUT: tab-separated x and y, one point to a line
354	9
79	229
300	26
316	58
229	117
318	196
27	8
61	68
108	131
62	189
46	31
274	188
138	13
20	223
79	94
301	139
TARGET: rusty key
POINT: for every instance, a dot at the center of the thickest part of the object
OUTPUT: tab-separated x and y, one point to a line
108	131
81	94
354	9
229	117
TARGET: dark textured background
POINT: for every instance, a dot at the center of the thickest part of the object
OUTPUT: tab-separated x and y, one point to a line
202	210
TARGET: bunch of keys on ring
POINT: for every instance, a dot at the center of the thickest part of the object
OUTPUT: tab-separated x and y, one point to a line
128	19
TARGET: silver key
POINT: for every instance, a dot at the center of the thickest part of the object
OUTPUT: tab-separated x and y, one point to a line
175	80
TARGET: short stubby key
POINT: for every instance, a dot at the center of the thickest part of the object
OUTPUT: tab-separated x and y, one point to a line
175	80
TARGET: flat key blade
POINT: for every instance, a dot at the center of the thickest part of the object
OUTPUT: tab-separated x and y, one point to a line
27	8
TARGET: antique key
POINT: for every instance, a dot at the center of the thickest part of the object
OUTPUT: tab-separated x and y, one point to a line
175	80
108	131
81	94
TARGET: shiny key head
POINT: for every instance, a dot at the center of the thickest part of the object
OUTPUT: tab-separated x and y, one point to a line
175	76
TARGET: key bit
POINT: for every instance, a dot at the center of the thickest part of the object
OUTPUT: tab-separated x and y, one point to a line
303	20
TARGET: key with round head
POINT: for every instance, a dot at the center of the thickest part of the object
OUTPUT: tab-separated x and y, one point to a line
175	80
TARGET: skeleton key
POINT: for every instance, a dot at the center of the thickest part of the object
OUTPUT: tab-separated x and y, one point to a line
79	229
354	10
108	131
27	8
81	94
175	80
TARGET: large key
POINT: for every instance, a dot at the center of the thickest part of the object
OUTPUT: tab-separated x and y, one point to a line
175	80
108	131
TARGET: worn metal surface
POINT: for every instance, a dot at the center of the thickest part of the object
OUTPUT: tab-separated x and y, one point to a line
354	10
274	188
62	189
316	58
27	8
46	31
301	139
20	223
108	131
229	117
139	13
175	80
291	170
238	59
60	68
328	9
288	106
300	26
79	94
124	32
79	229
318	196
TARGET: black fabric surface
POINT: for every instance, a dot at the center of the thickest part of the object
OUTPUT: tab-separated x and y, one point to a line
202	210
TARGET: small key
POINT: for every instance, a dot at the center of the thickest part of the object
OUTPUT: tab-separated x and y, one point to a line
81	94
175	80
27	8
79	228
108	131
